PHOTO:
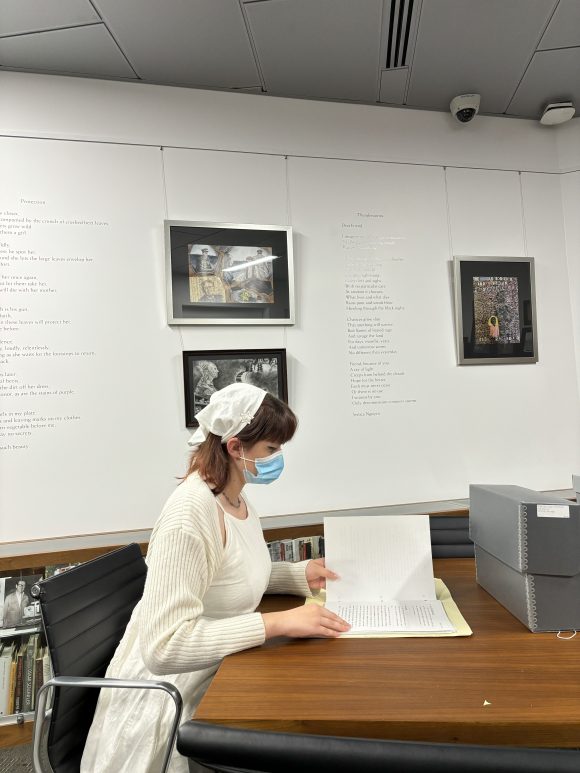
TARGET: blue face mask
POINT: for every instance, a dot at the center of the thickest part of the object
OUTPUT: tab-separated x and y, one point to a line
269	468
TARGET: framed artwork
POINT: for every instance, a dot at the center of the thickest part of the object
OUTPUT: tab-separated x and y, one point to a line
229	274
495	311
18	609
207	371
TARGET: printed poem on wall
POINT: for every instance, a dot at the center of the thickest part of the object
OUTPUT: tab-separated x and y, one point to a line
375	314
42	288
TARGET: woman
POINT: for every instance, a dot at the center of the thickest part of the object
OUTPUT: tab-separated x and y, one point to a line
208	567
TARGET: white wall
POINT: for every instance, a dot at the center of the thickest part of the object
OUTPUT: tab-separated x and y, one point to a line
77	108
89	439
568	146
571	205
442	427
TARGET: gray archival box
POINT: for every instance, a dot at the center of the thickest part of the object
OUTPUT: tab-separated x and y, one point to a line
527	553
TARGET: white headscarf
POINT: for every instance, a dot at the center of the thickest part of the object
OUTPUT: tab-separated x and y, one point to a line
230	410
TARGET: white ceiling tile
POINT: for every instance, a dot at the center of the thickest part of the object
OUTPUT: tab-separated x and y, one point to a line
553	76
193	43
393	84
18	16
79	50
318	48
466	46
564	27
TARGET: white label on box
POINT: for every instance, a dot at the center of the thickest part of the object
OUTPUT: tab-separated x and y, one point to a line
553	511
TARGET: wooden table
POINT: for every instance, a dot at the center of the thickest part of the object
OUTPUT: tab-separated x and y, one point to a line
503	685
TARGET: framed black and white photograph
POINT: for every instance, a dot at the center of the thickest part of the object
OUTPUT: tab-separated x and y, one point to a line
229	274
19	608
495	310
207	371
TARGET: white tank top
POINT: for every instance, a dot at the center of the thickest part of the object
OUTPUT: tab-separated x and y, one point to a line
244	573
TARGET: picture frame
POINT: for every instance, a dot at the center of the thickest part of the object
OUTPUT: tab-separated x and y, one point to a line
204	372
495	310
19	608
228	273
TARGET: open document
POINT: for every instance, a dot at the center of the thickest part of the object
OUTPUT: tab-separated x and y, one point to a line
386	574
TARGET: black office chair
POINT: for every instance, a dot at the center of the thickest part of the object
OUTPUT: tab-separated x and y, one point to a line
230	750
85	612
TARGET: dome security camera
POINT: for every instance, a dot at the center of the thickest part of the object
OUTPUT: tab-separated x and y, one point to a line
465	107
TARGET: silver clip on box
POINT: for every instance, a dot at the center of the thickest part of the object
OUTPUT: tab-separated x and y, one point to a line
527	554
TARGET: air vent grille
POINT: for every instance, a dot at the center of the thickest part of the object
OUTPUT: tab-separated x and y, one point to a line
400	18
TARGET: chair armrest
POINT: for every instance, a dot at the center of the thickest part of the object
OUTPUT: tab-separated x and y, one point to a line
40	713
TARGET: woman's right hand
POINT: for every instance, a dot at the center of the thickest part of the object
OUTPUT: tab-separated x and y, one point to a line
309	620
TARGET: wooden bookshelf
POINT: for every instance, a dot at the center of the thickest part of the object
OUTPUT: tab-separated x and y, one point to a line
15	734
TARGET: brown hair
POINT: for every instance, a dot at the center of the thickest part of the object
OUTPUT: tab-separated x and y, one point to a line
274	421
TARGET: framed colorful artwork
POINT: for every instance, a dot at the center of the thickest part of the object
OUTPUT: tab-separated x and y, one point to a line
229	274
495	310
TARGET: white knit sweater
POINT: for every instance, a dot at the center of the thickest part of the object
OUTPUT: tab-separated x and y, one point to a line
184	554
169	634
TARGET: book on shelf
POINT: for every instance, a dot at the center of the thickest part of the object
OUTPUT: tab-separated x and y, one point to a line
12	682
297	549
286	550
38	673
24	668
18	685
29	672
2	592
5	665
53	569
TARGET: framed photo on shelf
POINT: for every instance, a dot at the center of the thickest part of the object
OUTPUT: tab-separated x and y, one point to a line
229	274
19	608
495	310
207	371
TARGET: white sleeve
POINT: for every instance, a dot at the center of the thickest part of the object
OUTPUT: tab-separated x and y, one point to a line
287	577
174	635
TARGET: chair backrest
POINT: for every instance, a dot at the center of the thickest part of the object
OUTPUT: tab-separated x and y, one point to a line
85	612
450	536
233	750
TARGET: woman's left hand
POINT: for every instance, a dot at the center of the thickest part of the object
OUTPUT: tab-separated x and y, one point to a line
317	574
